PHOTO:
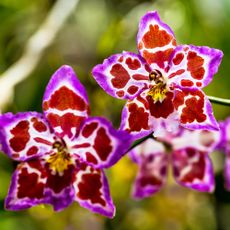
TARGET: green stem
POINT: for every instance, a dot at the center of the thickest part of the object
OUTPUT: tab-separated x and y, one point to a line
218	100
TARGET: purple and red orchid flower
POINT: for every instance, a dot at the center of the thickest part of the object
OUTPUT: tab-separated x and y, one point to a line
188	153
62	152
163	83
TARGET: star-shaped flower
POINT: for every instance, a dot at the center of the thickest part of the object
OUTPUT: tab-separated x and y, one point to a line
188	154
163	83
61	152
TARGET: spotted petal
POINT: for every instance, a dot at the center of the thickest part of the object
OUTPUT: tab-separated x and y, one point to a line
25	135
99	144
152	161
92	191
193	66
194	110
27	186
193	169
155	40
65	102
122	75
136	117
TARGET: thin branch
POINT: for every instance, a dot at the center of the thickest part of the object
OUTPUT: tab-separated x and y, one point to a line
35	48
138	142
218	100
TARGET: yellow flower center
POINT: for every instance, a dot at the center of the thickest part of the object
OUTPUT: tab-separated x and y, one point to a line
60	159
159	89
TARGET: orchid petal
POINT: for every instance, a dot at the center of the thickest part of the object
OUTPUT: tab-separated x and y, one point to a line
122	75
25	135
152	161
193	169
155	40
27	186
193	66
65	102
99	144
194	110
92	191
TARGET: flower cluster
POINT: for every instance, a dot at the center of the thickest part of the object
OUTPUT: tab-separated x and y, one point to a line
62	152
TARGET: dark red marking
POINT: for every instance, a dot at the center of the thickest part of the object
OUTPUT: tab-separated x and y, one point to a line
89	189
143	101
186	83
121	76
194	108
178	99
178	59
140	77
132	89
42	141
28	185
161	109
91	158
66	122
150	180
138	118
32	150
36	164
38	125
120	93
133	64
156	37
56	182
65	98
84	145
20	137
120	59
178	72
147	68
198	84
102	144
195	65
158	57
89	129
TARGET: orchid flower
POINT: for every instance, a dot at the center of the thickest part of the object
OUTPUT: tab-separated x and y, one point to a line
62	152
163	83
187	152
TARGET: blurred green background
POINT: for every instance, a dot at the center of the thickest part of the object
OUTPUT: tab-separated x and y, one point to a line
95	30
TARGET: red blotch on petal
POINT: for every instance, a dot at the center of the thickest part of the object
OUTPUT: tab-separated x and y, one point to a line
132	89
138	118
195	65
194	108
186	83
56	182
89	129
120	93
133	64
32	150
91	158
65	98
89	189
140	77
158	57
38	125
198	84
161	109
178	72
178	99
156	37
29	185
178	59
102	144
66	122
121	76
20	136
